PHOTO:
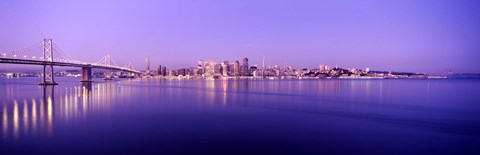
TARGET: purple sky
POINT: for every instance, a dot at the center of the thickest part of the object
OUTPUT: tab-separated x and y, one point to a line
399	35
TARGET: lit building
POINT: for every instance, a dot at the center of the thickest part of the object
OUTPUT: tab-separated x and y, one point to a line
200	67
172	73
230	69
159	70
245	69
164	71
236	68
254	71
217	68
181	72
147	65
323	68
225	68
209	69
328	68
264	67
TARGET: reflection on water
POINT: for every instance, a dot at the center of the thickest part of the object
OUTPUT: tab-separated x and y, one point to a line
23	116
25	113
301	113
5	121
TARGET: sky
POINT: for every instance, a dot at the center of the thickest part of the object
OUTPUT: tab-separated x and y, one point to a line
429	36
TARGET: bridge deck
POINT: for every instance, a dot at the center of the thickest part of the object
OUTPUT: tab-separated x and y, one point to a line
64	64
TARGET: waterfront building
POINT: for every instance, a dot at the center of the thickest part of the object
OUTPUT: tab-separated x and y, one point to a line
217	69
225	68
263	66
236	68
328	68
172	73
209	69
164	71
200	67
159	70
245	69
253	68
147	66
323	68
182	72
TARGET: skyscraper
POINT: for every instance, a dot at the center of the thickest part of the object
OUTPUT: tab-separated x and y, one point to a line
147	65
200	67
230	69
164	71
225	68
263	66
159	70
236	68
210	69
245	68
217	69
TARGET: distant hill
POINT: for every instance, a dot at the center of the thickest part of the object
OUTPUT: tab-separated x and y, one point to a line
395	73
465	76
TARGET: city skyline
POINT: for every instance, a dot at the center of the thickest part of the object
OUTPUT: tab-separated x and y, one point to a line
409	36
239	77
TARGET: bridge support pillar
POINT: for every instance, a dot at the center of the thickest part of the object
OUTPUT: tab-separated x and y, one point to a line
87	73
48	65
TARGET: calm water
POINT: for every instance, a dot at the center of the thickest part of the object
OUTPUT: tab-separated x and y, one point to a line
240	116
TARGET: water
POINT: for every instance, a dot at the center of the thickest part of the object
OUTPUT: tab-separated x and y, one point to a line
327	116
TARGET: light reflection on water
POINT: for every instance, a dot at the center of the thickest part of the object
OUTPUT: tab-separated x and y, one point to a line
72	103
267	109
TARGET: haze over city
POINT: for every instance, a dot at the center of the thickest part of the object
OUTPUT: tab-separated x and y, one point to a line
414	36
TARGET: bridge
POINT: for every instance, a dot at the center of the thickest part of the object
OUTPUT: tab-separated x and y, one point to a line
28	56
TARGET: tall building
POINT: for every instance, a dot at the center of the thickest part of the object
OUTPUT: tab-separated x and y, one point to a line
322	68
200	67
209	69
164	71
236	68
225	68
230	69
159	70
217	69
264	67
245	68
147	65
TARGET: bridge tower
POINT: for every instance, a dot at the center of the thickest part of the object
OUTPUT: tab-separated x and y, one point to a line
48	63
130	66
108	72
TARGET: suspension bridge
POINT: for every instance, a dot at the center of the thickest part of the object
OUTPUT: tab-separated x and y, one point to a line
30	55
